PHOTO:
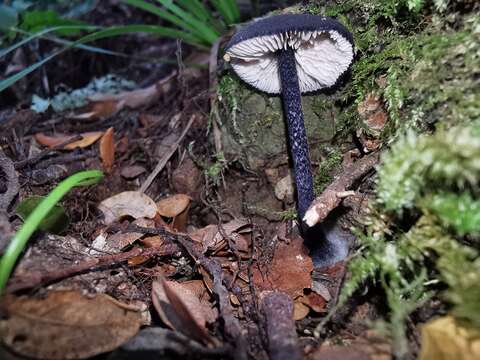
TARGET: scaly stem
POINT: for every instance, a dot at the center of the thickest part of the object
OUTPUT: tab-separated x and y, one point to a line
292	104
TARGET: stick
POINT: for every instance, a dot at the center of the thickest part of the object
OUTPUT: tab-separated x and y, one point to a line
34	279
277	310
164	160
333	195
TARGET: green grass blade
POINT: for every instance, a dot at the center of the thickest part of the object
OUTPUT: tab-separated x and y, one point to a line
220	6
19	241
19	75
151	29
43	33
114	31
209	33
196	8
234	9
161	13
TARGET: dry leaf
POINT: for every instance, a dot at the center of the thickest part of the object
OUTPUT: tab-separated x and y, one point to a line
67	325
173	205
447	338
107	149
100	109
128	203
87	139
289	271
131	172
300	310
314	301
181	309
153	241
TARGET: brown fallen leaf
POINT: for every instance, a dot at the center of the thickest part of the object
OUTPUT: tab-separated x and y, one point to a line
181	309
87	139
100	109
128	203
300	310
447	338
107	150
133	171
176	207
66	325
173	205
289	271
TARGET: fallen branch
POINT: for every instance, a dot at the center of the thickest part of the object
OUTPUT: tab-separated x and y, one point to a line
333	195
34	279
277	310
164	160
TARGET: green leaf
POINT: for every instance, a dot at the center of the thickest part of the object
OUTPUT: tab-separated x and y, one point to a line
55	222
34	21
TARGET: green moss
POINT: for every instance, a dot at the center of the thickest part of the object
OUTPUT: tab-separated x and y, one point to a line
323	175
424	68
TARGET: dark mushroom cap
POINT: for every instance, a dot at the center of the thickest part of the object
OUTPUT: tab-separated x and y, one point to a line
323	51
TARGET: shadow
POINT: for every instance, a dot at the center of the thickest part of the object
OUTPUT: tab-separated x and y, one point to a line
327	242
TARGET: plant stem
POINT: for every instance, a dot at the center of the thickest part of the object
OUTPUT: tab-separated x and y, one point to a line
292	106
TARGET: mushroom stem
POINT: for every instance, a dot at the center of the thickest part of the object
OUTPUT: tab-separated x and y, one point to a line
292	104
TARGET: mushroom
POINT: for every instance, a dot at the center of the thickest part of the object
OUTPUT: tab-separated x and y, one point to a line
292	54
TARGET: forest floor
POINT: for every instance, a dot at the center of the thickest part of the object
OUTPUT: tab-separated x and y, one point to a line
186	249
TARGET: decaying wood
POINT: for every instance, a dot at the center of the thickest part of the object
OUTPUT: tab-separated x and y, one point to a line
34	279
333	195
277	310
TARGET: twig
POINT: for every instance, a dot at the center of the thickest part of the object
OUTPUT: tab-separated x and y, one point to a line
43	153
164	160
277	310
11	181
333	195
34	279
220	282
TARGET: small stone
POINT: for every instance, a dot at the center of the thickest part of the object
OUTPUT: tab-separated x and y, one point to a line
284	189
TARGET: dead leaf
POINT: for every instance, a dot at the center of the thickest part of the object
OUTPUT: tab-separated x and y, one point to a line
100	109
300	310
173	205
107	150
133	171
153	241
289	271
87	139
181	309
67	325
314	301
447	338
128	203
121	239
